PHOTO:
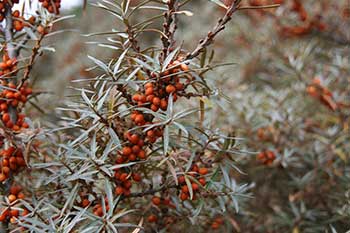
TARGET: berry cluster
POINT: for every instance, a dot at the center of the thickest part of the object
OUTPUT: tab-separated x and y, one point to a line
53	6
98	209
123	181
266	157
216	224
159	202
8	66
154	96
19	22
320	92
307	23
11	212
12	97
11	161
266	134
3	4
198	178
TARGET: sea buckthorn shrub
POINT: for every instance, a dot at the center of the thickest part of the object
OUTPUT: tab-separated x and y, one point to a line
132	154
171	134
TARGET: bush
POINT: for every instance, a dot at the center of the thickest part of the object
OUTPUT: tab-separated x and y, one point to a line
164	134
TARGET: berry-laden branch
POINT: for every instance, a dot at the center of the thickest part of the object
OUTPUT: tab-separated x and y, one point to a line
14	93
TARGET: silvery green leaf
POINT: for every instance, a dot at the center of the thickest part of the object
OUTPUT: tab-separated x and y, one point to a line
189	185
170	58
119	62
99	63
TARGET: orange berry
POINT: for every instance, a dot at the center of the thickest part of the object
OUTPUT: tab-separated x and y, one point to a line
154	108
136	97
148	85
139	119
14	213
150	98
85	203
2	177
152	218
181	180
127	184
6	170
184	67
202	181
15	189
215	225
119	190
132	157
156	101
170	89
12	198
183	196
179	86
13	220
195	187
127	192
136	177
149	91
141	154
6	117
126	151
203	171
123	177
136	149
156	200
134	139
163	104
185	189
3	216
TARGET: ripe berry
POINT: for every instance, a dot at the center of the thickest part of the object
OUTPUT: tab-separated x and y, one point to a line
184	196
136	149
203	171
12	198
152	218
156	200
170	89
185	189
136	177
6	117
2	177
202	181
123	177
119	190
127	151
141	154
139	119
163	104
134	139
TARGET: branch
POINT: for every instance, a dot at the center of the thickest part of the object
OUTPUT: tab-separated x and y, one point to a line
9	32
35	52
169	28
218	28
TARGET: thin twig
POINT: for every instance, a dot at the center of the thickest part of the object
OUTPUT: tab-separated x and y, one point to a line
218	28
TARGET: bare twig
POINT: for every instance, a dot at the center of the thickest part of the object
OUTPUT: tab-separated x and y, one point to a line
218	28
169	28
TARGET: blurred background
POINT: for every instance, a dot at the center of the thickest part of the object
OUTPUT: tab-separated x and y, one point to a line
287	93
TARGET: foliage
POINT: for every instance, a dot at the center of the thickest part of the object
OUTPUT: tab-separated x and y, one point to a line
161	132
